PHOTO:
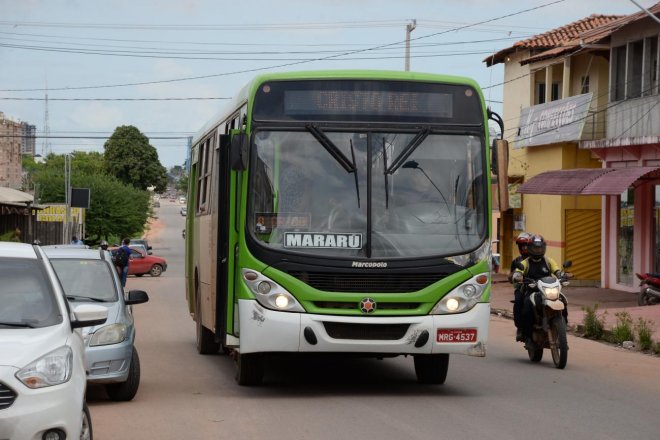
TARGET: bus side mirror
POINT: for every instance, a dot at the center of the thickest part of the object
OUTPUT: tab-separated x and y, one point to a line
493	157
238	151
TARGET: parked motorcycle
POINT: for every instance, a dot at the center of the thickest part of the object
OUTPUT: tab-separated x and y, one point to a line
549	307
649	292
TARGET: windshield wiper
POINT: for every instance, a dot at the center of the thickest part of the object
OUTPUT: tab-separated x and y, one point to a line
331	148
407	151
84	298
17	324
357	183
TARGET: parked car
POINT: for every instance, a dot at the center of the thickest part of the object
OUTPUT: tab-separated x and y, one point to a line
110	354
143	242
143	263
184	211
42	369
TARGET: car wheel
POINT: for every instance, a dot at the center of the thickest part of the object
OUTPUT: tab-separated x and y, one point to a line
156	270
86	428
125	391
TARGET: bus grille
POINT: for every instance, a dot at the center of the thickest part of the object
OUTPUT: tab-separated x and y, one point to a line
372	332
367	283
7	396
354	305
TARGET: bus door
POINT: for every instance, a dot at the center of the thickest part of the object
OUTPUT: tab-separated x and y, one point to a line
223	218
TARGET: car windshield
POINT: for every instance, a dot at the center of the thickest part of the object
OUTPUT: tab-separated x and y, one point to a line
309	193
26	297
86	280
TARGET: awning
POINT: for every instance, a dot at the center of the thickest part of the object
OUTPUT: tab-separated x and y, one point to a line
586	181
11	195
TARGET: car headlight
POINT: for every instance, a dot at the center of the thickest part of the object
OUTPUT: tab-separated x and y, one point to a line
552	293
462	298
109	334
51	369
270	294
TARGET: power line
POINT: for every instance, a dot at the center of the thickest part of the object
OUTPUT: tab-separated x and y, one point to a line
289	64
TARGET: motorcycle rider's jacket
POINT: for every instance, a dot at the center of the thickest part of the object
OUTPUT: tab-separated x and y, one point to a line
543	267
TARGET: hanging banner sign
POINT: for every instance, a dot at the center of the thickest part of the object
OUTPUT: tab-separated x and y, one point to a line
318	240
553	122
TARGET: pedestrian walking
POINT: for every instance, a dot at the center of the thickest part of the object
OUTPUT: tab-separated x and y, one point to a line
121	259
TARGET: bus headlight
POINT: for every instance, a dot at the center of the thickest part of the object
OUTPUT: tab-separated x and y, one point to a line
462	298
270	294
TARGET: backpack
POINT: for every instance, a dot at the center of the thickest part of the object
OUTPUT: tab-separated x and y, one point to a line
120	258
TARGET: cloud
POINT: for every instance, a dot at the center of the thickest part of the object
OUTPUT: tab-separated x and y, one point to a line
97	116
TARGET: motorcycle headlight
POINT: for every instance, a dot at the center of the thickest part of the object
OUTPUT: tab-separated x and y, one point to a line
552	293
51	369
109	334
462	298
270	294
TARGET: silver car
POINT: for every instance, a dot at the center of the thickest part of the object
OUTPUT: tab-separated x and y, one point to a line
111	358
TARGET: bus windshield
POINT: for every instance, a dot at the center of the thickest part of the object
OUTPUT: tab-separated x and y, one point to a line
426	197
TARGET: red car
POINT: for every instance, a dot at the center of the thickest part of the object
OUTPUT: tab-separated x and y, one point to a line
142	263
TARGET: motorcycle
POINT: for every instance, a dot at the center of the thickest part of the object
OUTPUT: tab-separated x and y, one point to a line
549	307
649	292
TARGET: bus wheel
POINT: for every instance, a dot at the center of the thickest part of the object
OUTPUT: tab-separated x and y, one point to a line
431	368
205	339
249	368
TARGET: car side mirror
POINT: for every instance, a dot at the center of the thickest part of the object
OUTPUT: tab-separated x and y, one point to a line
88	315
149	248
136	297
149	252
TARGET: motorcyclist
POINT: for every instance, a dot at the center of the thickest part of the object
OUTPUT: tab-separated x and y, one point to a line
535	267
518	293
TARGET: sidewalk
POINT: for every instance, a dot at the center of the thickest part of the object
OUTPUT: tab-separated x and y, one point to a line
612	301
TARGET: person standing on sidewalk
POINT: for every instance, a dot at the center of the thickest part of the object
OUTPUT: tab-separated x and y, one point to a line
518	293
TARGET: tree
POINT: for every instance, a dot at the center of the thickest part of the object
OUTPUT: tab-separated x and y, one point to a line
130	158
115	209
182	183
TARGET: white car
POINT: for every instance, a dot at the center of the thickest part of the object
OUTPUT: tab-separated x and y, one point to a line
42	365
89	276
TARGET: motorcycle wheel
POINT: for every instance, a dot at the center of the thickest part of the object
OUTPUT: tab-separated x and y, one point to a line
645	298
559	347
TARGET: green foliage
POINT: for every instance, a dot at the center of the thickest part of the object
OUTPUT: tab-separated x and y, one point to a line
644	331
594	325
623	330
115	209
656	348
131	159
182	184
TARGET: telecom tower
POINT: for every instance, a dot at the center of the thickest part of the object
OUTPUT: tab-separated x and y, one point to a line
45	144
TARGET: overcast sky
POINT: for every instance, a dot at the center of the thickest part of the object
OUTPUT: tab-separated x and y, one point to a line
104	52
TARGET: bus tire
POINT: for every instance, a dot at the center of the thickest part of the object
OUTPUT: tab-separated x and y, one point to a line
206	343
431	368
249	369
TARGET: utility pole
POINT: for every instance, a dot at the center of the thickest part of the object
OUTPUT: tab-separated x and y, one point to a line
67	198
45	144
409	28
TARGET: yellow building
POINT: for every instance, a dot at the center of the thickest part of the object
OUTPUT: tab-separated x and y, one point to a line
582	115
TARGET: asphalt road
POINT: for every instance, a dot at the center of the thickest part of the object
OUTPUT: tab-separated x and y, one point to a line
604	392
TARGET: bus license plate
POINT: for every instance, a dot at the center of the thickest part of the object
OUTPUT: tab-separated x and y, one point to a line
457	335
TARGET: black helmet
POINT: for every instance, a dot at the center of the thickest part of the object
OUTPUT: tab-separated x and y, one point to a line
536	246
104	245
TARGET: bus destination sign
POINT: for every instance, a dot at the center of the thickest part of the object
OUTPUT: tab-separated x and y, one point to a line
367	102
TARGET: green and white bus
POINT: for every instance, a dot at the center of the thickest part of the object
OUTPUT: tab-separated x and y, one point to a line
342	212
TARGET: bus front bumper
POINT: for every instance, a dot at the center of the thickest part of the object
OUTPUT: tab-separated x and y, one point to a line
264	330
